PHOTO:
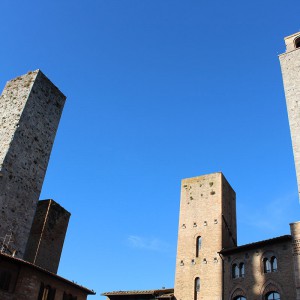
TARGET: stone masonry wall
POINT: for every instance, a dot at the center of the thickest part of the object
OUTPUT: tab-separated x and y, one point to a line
290	68
201	214
30	110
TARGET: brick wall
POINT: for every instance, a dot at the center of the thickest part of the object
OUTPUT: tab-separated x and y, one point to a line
206	201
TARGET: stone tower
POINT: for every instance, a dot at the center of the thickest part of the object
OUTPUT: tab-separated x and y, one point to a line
207	224
30	110
290	68
47	235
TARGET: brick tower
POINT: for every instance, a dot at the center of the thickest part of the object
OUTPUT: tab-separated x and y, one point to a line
47	235
30	110
290	68
207	224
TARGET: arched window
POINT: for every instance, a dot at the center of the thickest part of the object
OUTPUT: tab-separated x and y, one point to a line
197	288
273	264
198	245
272	296
235	271
239	298
267	265
242	270
297	42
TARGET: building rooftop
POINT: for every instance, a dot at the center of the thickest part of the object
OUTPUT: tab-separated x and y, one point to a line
161	293
280	239
26	263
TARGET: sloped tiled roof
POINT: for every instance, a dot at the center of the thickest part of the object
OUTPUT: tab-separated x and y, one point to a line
140	292
31	265
255	245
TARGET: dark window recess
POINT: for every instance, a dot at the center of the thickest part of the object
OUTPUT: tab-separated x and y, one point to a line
198	245
5	278
69	297
297	42
197	288
46	292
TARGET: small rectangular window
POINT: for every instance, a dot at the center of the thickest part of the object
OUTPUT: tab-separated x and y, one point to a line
46	292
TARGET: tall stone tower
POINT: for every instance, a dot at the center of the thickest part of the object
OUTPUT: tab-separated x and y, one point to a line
290	68
207	224
30	110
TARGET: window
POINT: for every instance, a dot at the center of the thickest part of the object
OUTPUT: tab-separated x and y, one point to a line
242	270
235	271
239	298
198	245
273	264
272	296
197	288
46	292
5	278
267	265
297	42
270	264
238	270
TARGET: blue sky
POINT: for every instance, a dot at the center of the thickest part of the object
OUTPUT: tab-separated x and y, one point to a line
157	91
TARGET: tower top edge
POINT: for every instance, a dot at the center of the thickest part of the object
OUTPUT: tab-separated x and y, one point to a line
292	42
292	35
33	75
202	176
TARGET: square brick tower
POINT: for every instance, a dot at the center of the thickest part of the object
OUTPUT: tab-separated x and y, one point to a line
30	110
207	224
47	235
290	68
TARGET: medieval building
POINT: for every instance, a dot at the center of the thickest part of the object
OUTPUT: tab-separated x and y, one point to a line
32	232
210	265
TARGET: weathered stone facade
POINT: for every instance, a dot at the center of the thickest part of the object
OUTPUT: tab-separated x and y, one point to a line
290	68
30	110
47	235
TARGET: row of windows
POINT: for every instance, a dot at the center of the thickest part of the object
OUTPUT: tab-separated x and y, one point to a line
48	293
269	296
269	265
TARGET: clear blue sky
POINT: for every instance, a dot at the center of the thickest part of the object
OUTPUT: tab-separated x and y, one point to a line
158	90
